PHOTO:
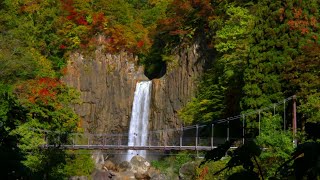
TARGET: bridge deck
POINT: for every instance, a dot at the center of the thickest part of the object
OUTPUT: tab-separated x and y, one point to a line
116	147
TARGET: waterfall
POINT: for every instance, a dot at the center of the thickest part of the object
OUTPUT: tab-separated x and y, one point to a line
138	130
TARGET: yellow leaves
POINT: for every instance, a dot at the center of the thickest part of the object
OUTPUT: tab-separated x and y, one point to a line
44	66
32	6
156	2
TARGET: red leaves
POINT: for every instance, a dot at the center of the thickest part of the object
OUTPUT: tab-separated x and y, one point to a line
62	46
76	17
40	90
81	21
140	43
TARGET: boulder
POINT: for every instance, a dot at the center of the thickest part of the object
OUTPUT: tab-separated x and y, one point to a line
125	166
160	177
98	159
188	171
155	174
140	176
139	164
152	172
127	175
103	175
109	165
78	178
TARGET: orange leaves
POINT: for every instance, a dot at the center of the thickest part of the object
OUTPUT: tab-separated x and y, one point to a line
204	172
297	12
297	24
301	21
313	22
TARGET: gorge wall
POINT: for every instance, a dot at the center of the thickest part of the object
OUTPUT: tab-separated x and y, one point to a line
172	91
107	83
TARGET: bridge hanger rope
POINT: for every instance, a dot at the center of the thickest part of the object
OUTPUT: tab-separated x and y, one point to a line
228	119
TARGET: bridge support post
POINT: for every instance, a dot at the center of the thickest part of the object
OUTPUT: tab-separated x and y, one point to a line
197	131
75	138
228	130
294	121
149	140
165	138
284	115
259	123
46	139
88	140
243	129
212	126
181	135
72	140
59	142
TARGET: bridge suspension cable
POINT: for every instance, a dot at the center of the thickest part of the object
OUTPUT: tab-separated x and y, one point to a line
120	136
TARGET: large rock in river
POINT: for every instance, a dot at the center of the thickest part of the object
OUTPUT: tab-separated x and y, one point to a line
139	165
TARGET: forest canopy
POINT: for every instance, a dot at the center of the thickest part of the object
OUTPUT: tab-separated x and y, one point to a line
265	51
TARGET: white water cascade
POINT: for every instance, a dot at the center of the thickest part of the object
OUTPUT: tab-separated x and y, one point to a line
138	130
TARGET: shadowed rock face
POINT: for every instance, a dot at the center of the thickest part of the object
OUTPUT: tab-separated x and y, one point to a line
107	84
171	92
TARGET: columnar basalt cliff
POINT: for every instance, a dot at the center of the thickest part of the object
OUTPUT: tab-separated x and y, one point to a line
171	92
107	83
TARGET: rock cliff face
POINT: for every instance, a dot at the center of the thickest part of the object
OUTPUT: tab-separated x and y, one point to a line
107	85
171	92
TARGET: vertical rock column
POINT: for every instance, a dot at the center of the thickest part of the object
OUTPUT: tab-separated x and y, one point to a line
171	92
106	83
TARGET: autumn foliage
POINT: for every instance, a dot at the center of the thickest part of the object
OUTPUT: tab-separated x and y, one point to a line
186	16
41	90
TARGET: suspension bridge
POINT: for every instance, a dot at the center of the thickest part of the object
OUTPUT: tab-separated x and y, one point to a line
196	137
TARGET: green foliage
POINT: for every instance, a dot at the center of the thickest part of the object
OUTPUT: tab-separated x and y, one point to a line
79	163
221	83
244	156
305	157
265	50
208	170
277	143
171	165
